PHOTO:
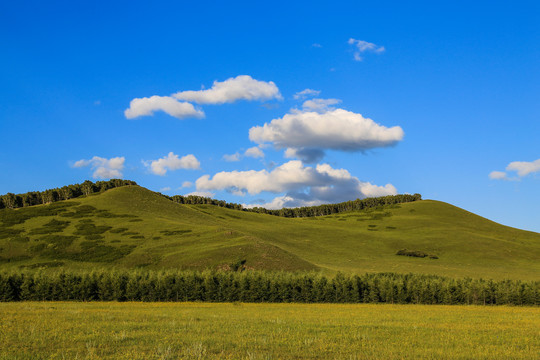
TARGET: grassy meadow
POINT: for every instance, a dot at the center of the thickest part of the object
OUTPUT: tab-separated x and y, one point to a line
71	330
132	227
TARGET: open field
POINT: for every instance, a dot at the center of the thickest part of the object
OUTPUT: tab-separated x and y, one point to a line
132	227
58	330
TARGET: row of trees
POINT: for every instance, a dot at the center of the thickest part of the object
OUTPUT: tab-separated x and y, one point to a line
329	209
308	211
201	200
254	286
12	201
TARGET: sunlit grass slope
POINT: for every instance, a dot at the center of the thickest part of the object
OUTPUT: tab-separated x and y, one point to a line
132	227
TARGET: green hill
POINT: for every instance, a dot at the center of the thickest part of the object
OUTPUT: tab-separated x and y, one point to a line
130	226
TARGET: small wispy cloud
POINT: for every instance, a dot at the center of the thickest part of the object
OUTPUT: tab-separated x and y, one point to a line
306	93
232	157
207	194
254	152
187	184
521	168
364	46
320	105
498	175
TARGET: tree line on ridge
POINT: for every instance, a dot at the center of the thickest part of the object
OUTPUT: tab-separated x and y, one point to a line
13	201
31	198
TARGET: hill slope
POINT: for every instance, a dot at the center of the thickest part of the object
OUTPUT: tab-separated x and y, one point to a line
133	227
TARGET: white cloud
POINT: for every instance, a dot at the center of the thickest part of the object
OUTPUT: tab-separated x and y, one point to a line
172	162
303	185
166	188
291	175
201	193
363	46
317	45
254	152
306	93
148	105
232	157
187	184
103	168
242	87
320	105
498	175
309	133
522	168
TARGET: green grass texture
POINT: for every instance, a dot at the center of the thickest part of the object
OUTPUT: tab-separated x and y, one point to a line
71	330
133	227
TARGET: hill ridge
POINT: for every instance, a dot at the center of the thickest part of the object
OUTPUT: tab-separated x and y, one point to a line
32	198
133	227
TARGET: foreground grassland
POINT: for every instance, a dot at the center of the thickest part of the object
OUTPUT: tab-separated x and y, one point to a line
132	227
59	330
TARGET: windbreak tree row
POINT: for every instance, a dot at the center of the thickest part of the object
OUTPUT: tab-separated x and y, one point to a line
13	201
257	286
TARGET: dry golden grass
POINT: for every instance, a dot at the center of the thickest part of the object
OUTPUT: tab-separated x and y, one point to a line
69	330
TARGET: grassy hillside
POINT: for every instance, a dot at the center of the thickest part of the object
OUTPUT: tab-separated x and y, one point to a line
133	227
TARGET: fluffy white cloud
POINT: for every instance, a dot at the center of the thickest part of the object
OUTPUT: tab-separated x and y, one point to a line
363	46
242	87
148	105
524	168
187	184
103	168
172	162
232	157
306	93
166	188
309	133
303	185
291	175
254	152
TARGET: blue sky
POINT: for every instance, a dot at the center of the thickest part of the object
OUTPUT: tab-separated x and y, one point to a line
441	100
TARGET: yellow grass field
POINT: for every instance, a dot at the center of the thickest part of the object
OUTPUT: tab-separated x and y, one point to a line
71	330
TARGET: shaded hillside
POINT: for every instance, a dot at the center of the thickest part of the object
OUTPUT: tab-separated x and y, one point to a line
130	227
